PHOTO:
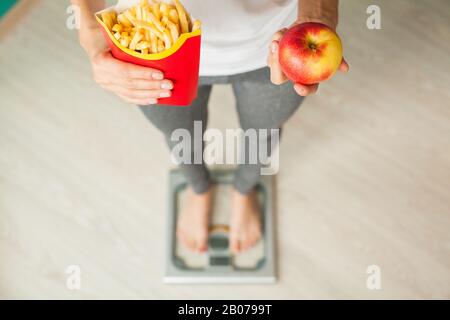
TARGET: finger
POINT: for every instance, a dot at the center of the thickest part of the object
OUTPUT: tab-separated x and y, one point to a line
344	67
141	84
277	36
139	94
305	90
276	74
131	71
139	102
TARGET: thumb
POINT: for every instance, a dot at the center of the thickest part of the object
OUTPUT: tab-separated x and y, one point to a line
276	74
344	67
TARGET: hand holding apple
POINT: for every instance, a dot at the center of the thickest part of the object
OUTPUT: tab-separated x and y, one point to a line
310	53
307	53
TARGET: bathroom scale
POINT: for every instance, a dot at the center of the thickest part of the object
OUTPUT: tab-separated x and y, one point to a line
218	264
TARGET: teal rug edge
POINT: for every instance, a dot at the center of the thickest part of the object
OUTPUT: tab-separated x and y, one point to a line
5	5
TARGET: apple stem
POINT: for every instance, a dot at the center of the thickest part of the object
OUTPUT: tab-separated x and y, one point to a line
312	46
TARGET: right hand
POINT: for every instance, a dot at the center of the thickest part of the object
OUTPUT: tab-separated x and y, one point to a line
276	74
134	84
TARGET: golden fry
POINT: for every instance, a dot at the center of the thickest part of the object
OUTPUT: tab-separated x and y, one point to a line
150	26
156	11
131	17
153	43
138	12
117	28
125	41
164	9
167	39
173	31
196	25
184	23
173	16
147	35
164	21
106	18
156	22
145	12
143	45
123	20
161	47
137	37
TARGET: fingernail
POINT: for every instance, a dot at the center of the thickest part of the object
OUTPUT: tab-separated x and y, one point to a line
153	101
158	76
273	47
165	94
167	86
301	91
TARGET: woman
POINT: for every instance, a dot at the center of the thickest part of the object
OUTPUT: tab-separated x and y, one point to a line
238	36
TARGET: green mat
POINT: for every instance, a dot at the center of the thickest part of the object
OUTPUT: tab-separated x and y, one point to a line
5	5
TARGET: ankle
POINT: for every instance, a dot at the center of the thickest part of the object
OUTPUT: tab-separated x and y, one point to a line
243	195
201	192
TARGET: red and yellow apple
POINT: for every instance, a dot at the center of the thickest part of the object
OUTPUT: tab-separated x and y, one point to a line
310	53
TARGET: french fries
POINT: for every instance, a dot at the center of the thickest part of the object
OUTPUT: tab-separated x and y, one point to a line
150	27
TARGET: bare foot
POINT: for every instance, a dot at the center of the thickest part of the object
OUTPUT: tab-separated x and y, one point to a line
245	224
193	222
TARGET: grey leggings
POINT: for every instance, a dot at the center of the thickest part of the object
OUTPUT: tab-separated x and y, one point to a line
260	105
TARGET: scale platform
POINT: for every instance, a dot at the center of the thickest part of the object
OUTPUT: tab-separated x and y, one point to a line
218	264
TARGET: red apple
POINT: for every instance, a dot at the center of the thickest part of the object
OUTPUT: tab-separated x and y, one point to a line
310	53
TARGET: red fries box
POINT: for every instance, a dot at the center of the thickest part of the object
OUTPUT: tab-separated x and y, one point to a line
180	63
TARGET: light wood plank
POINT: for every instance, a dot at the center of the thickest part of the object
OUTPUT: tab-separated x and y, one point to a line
365	170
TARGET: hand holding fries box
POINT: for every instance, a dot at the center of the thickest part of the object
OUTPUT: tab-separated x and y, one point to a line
158	35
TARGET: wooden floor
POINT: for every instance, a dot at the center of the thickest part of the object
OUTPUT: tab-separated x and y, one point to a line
365	170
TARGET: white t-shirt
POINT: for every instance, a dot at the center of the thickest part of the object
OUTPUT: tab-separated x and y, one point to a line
236	33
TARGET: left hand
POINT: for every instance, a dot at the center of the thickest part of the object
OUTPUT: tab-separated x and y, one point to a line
278	77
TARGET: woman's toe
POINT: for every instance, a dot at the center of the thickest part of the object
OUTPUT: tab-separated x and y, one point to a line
235	246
